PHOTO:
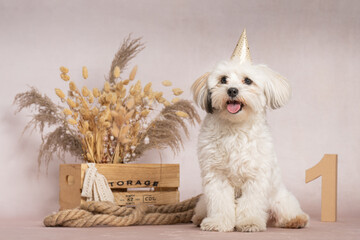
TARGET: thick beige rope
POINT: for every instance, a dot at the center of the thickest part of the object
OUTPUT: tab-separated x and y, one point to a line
91	214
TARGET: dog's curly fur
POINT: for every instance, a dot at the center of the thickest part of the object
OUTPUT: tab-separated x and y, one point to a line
242	183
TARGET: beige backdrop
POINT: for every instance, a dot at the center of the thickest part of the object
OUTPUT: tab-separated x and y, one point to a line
316	44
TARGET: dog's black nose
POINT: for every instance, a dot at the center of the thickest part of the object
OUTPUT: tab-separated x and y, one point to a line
232	92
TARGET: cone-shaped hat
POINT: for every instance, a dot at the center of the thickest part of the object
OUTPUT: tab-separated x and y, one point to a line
241	51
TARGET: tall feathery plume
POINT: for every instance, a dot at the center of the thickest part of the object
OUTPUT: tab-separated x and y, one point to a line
165	130
48	114
128	50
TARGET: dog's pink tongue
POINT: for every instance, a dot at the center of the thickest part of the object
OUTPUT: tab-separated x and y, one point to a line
233	107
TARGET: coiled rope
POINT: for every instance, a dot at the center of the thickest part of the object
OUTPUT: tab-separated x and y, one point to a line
94	213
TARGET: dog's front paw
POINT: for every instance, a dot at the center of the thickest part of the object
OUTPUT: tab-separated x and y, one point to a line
250	225
216	224
300	221
249	228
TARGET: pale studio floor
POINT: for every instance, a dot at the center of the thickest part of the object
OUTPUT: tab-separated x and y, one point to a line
344	229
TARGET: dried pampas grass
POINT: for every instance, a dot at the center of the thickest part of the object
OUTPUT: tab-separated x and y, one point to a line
48	114
165	129
47	111
59	142
128	50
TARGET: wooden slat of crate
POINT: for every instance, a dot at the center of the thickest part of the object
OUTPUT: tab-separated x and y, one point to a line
163	177
70	185
140	175
149	197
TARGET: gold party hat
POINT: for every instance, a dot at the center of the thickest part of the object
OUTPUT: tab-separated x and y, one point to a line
241	51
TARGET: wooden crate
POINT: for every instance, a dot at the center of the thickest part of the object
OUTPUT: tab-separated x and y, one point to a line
130	183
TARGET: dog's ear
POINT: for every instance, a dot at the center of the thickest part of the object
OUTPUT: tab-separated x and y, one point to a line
277	88
202	96
208	106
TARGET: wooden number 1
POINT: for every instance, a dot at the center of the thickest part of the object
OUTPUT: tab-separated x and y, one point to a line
327	169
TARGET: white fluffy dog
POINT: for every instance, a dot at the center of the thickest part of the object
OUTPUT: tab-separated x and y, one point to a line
242	183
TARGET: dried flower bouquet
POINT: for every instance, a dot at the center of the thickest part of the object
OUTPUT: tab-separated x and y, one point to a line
112	124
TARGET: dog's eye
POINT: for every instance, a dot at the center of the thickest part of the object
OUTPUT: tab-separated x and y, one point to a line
223	79
248	81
